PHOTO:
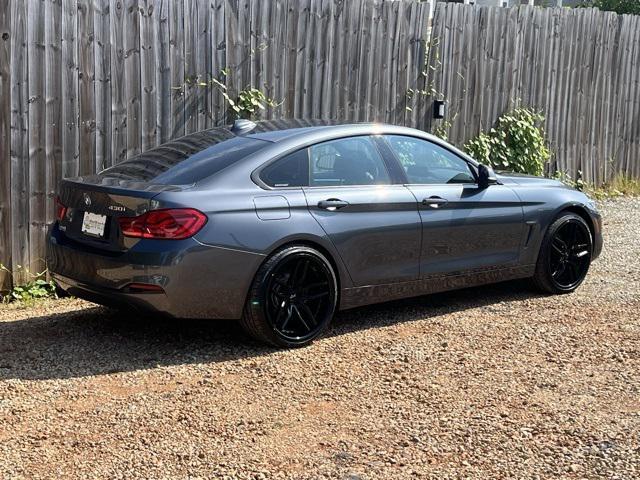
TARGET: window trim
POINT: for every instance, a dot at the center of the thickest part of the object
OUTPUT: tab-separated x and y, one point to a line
472	168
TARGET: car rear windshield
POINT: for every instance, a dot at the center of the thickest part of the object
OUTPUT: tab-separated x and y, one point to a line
188	159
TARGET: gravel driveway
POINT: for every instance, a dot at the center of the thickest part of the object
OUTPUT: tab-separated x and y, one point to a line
493	382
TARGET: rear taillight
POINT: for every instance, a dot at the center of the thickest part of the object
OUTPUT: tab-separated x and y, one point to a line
173	223
61	209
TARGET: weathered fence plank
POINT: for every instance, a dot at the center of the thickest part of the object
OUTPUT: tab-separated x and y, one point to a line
69	89
132	76
203	64
118	97
148	92
102	70
36	136
5	144
53	99
217	105
19	140
162	71
176	63
86	77
190	66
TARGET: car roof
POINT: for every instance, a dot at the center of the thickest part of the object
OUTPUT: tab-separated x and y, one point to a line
277	130
302	131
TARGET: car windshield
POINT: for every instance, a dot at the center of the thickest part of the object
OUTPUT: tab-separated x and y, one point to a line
188	159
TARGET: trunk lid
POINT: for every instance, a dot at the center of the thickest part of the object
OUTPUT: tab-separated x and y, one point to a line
94	204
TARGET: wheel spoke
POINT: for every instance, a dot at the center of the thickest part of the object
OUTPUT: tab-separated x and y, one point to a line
303	274
573	272
281	282
315	296
289	312
311	286
277	292
555	247
301	317
279	314
574	260
299	272
559	270
307	313
558	244
576	233
276	300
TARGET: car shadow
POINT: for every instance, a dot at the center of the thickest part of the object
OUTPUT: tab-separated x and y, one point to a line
98	340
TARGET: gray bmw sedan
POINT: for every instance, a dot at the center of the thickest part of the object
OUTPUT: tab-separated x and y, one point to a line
279	224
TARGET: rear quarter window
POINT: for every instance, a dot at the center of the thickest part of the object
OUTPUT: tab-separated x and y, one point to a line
289	171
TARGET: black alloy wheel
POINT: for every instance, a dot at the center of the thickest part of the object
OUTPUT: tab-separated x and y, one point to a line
299	297
293	298
565	255
570	254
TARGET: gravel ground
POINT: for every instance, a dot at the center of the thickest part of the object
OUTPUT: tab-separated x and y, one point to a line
493	382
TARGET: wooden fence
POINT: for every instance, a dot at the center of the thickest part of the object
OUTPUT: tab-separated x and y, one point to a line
87	83
580	67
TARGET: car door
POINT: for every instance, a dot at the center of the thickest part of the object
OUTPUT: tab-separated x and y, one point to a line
464	227
373	223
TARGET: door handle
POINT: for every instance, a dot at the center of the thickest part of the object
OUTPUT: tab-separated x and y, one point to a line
332	204
434	202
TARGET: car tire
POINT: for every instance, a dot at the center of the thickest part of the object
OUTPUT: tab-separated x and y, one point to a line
565	255
292	299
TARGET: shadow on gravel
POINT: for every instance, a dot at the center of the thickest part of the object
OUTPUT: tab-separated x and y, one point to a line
99	341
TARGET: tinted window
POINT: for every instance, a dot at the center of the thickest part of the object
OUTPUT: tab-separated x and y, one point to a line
187	159
348	161
289	171
427	163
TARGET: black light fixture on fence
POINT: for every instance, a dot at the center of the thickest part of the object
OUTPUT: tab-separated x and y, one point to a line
439	108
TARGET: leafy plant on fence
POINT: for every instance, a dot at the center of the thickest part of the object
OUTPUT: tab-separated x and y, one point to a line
36	286
247	103
619	6
442	130
516	143
250	102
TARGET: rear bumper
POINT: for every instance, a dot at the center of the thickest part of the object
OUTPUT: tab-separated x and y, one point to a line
199	281
142	302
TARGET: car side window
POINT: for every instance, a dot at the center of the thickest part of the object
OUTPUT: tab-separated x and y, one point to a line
425	162
289	171
347	161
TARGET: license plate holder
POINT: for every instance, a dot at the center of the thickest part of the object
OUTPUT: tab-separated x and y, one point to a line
94	224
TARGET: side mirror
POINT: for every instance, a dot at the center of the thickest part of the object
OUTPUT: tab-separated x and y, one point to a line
486	176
